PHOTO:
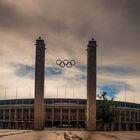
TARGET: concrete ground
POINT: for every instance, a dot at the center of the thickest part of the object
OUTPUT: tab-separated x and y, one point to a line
67	135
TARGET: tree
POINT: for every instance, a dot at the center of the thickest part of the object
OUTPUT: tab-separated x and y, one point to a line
107	111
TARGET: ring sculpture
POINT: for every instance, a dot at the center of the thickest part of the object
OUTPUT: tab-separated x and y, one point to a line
65	63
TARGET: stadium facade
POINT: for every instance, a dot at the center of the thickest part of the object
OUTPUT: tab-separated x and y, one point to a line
64	113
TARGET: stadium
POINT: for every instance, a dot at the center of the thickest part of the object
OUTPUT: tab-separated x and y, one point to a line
63	113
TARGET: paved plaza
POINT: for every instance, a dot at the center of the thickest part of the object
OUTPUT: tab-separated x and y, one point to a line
68	135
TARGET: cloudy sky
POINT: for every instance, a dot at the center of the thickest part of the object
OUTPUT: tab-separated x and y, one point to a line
67	26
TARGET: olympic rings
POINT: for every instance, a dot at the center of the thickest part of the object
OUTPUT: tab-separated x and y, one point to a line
67	63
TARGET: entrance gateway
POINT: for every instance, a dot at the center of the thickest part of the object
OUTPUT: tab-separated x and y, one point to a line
39	117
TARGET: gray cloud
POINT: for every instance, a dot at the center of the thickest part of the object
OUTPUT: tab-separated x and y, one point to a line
119	70
24	70
114	70
27	71
118	19
11	18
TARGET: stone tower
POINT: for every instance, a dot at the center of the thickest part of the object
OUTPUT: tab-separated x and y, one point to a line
39	85
91	85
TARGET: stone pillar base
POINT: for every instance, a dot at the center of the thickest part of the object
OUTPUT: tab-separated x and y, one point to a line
91	127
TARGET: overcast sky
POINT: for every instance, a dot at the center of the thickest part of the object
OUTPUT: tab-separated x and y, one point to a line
67	26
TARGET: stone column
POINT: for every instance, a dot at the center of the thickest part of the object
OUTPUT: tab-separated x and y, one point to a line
22	119
39	108
130	120
125	117
69	117
126	127
9	124
134	127
77	119
138	116
60	117
119	126
134	117
52	116
29	114
4	114
9	115
91	86
15	114
112	127
22	114
16	122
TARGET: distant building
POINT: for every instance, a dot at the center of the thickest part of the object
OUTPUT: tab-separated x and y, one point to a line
63	113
